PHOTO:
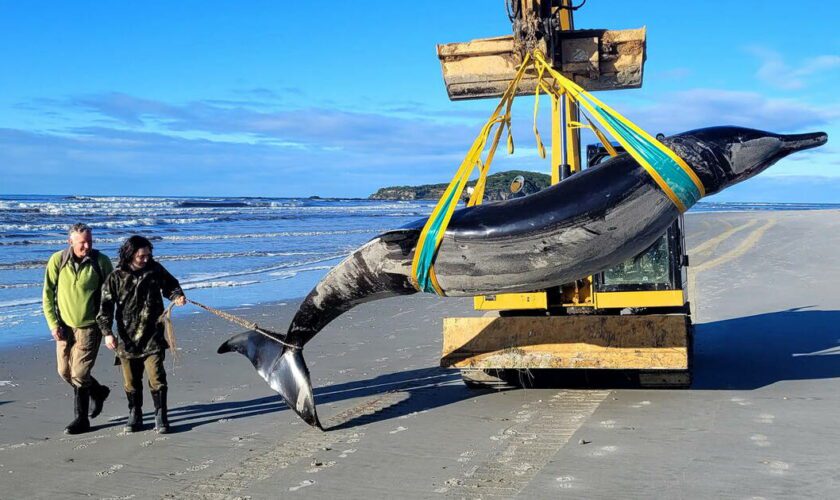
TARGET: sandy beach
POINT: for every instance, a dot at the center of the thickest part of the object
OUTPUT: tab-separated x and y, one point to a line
757	422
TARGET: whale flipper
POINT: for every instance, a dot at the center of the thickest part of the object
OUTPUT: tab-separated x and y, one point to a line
282	367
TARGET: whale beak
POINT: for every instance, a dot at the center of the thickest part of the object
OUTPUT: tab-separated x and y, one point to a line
800	142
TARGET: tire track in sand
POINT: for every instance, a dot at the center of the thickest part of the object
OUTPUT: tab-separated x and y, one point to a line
713	243
736	252
527	446
741	249
309	443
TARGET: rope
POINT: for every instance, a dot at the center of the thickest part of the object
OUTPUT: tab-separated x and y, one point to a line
169	328
244	323
169	332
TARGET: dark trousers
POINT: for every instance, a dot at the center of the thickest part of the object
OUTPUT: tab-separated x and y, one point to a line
132	370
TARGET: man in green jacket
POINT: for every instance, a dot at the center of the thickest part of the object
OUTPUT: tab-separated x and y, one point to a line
72	291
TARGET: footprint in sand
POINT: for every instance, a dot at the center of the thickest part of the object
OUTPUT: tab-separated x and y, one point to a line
522	469
565	482
15	446
303	484
604	450
146	444
501	436
471	471
317	466
760	440
764	418
82	446
355	438
110	470
777	466
194	468
246	437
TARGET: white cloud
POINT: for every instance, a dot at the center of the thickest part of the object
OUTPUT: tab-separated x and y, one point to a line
697	108
776	72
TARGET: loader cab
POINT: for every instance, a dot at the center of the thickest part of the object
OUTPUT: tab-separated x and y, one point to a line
653	279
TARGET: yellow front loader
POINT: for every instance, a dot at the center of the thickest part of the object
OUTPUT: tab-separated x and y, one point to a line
632	319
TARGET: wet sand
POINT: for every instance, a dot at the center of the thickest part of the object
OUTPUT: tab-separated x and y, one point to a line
757	422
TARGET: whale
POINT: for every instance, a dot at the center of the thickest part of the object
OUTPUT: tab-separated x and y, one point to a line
580	226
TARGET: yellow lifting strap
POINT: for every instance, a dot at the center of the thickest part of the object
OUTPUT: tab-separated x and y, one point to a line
422	267
668	170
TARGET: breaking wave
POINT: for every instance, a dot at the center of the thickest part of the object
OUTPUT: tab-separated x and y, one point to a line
209	237
146	221
19	302
39	264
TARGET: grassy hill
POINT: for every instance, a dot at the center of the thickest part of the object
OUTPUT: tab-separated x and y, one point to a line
498	187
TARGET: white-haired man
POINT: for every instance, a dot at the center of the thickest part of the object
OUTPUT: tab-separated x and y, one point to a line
72	292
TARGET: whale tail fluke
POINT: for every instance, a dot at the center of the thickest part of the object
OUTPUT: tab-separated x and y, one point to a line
282	367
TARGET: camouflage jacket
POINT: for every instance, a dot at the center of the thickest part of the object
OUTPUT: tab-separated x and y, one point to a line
137	297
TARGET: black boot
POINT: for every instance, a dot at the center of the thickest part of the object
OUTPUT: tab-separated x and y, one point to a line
161	420
98	394
135	411
81	423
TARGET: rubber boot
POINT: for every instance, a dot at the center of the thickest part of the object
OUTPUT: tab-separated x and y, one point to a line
161	419
81	423
98	394
135	411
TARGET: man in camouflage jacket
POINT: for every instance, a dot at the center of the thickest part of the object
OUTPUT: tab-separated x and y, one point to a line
133	295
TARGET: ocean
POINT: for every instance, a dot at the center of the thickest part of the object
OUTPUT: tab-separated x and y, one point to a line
226	252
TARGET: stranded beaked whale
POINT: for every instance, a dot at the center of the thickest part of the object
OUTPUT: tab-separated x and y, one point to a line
584	224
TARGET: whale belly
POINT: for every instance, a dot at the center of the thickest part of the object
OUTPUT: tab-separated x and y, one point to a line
576	246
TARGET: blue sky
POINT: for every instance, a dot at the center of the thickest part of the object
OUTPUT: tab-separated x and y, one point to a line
286	99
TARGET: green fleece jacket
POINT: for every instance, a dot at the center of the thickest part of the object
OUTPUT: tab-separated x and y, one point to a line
78	292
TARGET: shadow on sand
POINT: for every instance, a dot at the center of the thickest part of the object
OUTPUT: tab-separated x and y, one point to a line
425	388
755	351
740	354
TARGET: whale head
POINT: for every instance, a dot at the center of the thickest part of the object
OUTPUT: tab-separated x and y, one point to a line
724	156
